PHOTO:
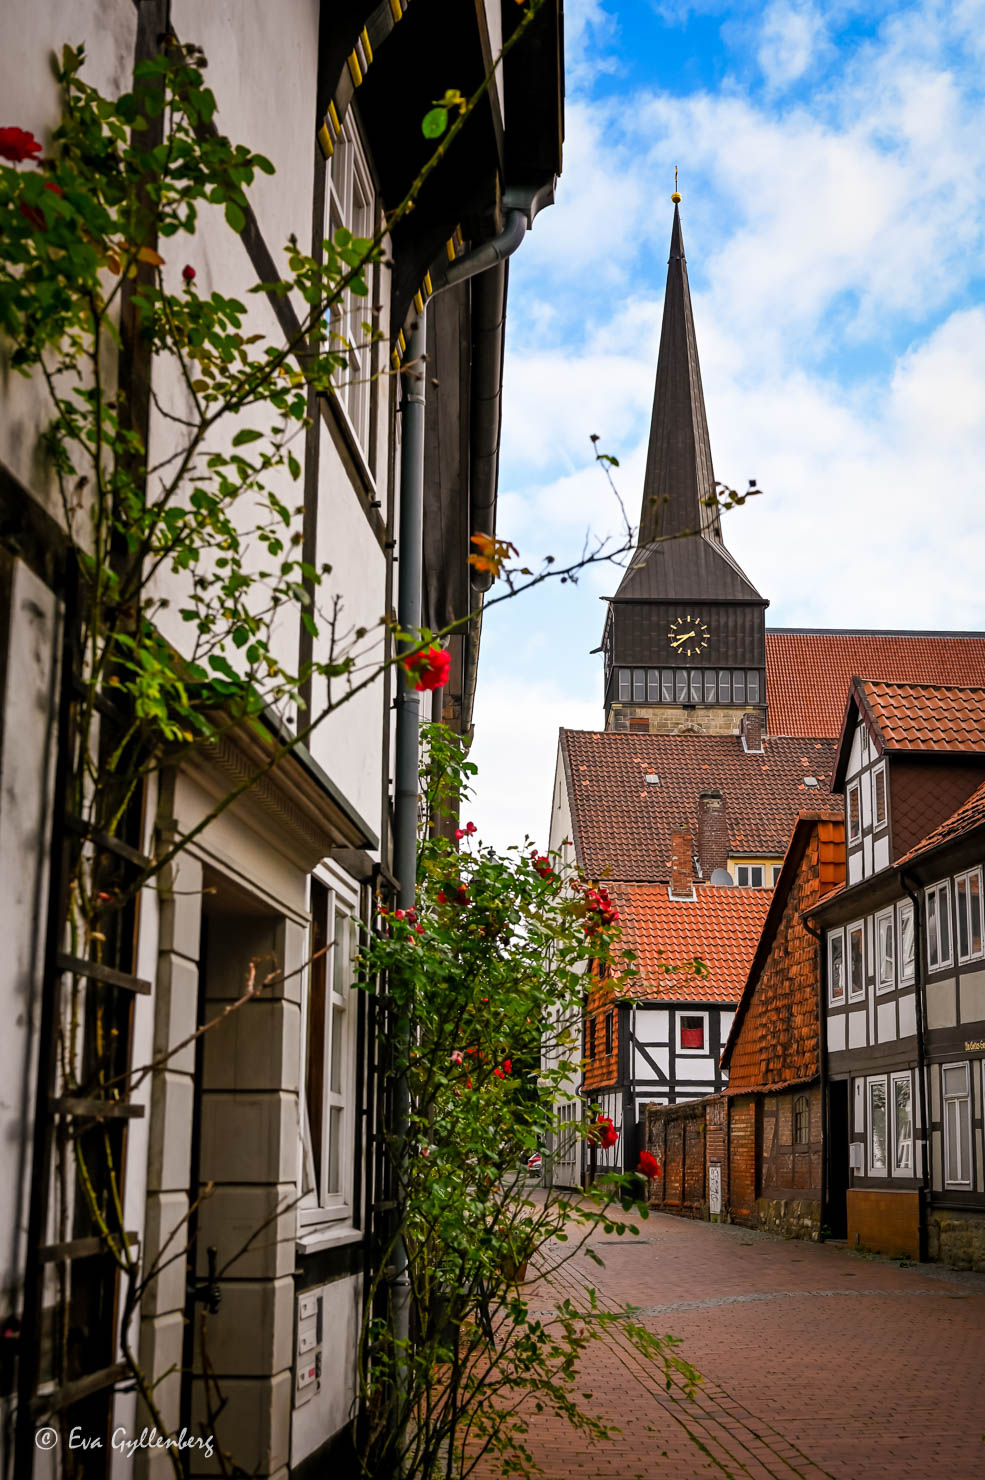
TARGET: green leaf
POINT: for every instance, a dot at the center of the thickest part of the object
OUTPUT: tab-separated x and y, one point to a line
246	435
235	216
434	123
294	466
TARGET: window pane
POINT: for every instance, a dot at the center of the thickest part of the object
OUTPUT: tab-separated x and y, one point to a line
944	924
956	1080
884	930
681	687
334	1149
739	688
742	874
314	1078
933	946
667	685
756	876
903	1123
695	688
639	685
692	1032
337	1050
879	797
752	688
854	817
836	967
624	684
857	961
653	686
906	942
975	902
724	686
711	688
877	1124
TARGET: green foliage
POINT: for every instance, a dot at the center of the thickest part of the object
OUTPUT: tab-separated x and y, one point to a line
488	964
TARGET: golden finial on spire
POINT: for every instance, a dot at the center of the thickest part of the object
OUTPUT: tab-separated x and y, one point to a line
676	195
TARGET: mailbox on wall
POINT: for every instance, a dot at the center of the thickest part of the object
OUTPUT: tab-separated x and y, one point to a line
308	1352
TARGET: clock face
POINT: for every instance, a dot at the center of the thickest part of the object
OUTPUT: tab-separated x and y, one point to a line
688	635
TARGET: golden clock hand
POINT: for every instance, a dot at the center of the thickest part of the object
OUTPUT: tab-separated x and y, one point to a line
676	641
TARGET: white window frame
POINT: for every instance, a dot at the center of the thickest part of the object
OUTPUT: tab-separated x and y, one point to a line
885	983
691	1012
836	938
317	1207
747	882
901	1167
951	1177
936	893
851	789
351	203
777	870
870	1084
905	977
876	771
859	927
965	880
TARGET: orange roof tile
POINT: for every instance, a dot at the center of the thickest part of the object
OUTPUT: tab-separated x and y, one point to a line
623	824
719	928
808	674
969	815
925	717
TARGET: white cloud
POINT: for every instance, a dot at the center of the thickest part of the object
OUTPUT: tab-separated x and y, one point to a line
834	246
788	42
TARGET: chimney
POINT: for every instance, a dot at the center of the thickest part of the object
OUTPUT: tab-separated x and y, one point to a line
712	837
681	866
752	732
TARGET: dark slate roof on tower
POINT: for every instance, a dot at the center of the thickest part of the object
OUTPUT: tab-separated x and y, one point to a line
680	555
679	479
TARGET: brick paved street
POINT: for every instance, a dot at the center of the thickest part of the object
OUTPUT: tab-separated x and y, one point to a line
817	1362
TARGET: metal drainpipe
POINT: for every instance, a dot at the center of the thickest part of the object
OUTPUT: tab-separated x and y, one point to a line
918	991
409	611
822	1058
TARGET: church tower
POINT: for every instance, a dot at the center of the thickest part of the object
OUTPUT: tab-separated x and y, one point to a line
684	639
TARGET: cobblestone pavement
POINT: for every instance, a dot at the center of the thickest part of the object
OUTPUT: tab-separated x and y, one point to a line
817	1362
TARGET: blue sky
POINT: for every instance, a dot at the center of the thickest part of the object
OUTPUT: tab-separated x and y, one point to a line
832	167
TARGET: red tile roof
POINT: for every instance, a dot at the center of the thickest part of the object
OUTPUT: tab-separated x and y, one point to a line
808	674
773	1043
623	825
719	927
969	815
925	717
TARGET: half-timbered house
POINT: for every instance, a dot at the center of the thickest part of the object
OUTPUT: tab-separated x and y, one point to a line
904	965
254	1155
699	696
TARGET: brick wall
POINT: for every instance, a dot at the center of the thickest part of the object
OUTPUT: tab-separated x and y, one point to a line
673	719
675	1135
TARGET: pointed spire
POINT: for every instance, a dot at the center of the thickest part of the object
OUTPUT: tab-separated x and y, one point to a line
679	478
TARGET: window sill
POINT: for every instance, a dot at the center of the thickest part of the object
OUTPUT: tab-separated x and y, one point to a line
329	1236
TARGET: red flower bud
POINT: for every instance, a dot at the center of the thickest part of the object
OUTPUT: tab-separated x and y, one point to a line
188	273
442	897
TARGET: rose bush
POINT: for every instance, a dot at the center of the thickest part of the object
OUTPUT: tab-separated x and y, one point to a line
500	958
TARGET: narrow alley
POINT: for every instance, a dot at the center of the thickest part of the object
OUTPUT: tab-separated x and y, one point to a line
817	1362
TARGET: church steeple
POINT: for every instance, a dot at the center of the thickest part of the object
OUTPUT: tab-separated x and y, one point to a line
679	480
684	641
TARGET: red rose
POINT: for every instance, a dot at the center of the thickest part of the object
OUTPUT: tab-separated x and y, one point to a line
428	670
507	1065
188	273
605	1132
16	144
498	1073
442	897
649	1166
